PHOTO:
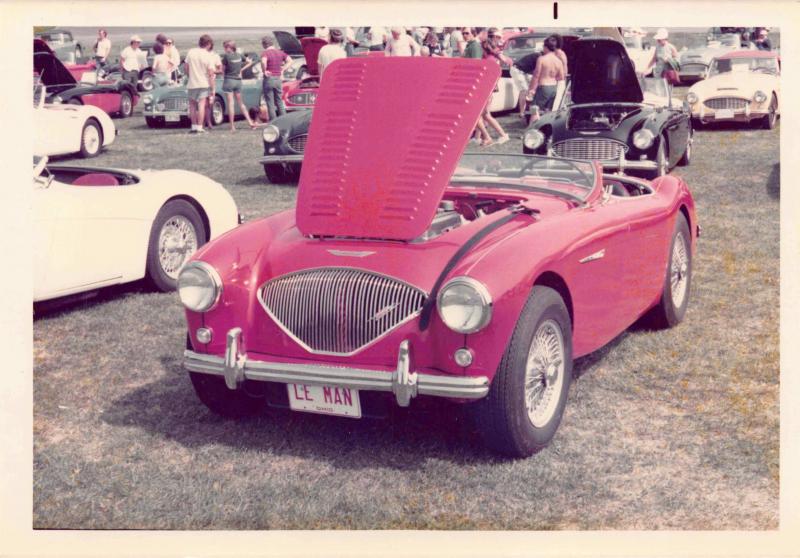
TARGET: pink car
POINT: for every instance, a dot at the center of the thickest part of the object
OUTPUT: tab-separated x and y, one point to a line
409	271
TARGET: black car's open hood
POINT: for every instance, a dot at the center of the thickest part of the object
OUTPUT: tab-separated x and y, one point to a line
602	72
288	43
50	69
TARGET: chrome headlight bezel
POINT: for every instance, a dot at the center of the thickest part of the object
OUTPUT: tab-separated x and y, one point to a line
691	97
147	98
759	96
643	139
271	133
214	282
533	139
478	292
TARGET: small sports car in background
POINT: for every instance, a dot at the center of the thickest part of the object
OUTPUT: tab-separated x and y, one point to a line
65	129
95	227
606	115
62	88
742	86
62	43
170	104
285	141
407	270
302	93
695	62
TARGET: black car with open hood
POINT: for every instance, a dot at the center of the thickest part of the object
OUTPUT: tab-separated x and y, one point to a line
609	113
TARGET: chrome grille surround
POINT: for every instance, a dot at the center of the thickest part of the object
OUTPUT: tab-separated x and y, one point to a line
176	103
590	149
298	143
735	103
339	310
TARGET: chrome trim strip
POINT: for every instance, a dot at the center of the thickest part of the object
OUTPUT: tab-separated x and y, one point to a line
592	257
404	382
281	159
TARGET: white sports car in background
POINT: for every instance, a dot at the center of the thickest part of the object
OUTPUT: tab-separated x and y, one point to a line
99	227
67	128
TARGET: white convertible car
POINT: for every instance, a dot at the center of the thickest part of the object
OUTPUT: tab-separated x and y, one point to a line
65	129
99	227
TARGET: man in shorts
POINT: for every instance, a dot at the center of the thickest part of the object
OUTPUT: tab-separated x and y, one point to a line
200	71
548	72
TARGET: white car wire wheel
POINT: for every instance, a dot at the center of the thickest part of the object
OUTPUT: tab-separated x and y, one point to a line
91	139
528	394
671	308
176	234
217	111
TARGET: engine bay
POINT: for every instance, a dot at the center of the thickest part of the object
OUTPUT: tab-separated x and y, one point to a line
604	117
457	210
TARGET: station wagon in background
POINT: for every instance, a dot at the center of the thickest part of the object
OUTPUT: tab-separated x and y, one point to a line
408	269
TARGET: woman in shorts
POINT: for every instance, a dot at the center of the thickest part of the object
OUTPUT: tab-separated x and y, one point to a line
233	64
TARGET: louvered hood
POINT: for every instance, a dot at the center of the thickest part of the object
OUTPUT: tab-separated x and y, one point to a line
386	136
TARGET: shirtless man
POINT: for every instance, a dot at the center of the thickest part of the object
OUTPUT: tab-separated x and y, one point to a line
544	81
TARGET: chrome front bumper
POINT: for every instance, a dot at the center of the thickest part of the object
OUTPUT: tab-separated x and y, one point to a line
404	382
272	159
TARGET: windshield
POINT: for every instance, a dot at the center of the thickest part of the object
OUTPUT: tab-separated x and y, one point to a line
727	65
526	42
654	86
53	37
563	176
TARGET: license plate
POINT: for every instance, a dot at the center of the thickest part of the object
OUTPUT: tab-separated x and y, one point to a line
723	113
326	400
172	117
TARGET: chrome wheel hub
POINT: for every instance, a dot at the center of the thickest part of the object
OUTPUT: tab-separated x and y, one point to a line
544	373
91	139
176	242
679	270
126	104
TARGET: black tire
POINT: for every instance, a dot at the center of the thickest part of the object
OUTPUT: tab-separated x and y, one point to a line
667	313
154	122
218	111
769	121
125	104
215	395
146	81
157	276
277	174
91	139
686	159
697	124
502	416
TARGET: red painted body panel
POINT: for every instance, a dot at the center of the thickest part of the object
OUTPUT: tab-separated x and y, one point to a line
291	88
352	185
108	102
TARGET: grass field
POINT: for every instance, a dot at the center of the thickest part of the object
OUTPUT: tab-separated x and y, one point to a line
673	429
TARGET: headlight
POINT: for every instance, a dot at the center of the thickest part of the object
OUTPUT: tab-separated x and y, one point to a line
533	139
147	98
57	100
161	106
464	305
290	73
199	286
691	97
642	139
271	133
760	97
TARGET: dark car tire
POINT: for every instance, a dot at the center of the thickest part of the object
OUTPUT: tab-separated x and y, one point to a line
215	395
671	308
277	174
686	159
218	111
769	121
157	276
91	139
146	81
503	416
125	104
154	122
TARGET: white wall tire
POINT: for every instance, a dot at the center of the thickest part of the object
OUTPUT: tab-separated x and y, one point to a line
91	139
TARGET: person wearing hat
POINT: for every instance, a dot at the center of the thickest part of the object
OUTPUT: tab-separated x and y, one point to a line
401	44
332	51
762	40
129	60
665	55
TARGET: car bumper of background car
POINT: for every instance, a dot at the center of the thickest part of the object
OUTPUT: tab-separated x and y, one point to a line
707	115
404	382
278	158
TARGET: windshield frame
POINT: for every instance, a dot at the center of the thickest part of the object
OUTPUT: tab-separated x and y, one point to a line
713	67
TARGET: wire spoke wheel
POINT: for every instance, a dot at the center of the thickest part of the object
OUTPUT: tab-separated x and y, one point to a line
91	139
544	373
177	241
679	270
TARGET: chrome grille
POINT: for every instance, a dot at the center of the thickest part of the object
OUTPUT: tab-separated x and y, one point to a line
298	143
176	103
693	68
339	310
599	149
734	103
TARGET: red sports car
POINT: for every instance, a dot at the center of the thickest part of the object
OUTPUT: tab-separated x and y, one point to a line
408	270
302	93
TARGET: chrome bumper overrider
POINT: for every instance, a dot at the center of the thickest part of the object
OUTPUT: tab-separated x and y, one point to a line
404	382
268	159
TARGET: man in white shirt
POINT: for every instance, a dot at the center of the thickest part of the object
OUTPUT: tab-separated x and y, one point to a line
330	52
401	44
102	48
377	38
200	71
129	60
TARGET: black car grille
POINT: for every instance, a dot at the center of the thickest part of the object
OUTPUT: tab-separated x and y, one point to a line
734	103
298	143
592	149
336	310
176	103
